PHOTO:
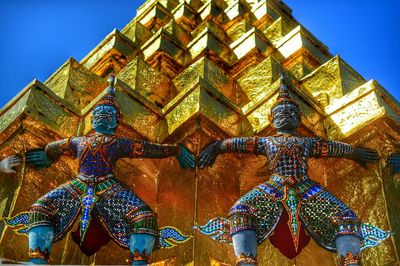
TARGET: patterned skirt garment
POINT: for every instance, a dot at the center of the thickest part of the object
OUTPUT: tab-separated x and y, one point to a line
119	211
307	205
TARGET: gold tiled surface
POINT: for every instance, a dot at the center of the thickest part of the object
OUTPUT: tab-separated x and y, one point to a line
191	72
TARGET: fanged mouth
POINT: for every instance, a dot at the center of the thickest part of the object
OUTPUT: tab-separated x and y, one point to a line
285	116
102	116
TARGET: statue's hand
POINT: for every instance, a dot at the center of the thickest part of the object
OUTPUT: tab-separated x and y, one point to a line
364	155
7	165
185	158
208	155
394	161
38	159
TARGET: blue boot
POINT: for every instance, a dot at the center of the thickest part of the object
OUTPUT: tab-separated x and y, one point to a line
141	246
40	244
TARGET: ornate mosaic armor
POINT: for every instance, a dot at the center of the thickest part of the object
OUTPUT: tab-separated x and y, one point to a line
96	192
290	190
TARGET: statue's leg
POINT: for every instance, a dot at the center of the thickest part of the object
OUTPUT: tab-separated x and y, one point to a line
40	244
245	247
142	235
245	227
143	229
141	246
130	221
323	214
244	236
348	249
49	218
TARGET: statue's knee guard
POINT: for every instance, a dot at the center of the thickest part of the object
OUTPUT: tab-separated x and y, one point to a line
141	246
143	221
348	224
40	243
241	219
245	247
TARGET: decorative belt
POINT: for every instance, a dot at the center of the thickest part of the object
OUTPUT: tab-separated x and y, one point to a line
291	181
99	187
303	185
92	179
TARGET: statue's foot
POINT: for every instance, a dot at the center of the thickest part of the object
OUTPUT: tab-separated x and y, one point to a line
246	260
38	261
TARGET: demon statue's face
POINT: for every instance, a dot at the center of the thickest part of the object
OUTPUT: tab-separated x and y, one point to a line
105	119
286	117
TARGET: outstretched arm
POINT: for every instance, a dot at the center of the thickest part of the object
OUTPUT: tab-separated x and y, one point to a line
144	149
331	148
238	145
394	161
41	158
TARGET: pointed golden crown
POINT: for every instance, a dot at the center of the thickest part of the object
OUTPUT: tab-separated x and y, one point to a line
109	98
284	96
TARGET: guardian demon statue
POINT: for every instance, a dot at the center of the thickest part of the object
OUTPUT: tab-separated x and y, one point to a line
290	204
96	195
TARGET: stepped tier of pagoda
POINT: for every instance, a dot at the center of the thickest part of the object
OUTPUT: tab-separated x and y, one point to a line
193	71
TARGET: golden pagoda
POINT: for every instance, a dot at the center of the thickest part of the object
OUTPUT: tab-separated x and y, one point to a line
192	71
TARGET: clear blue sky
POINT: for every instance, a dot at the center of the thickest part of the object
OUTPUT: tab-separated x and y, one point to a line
38	36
